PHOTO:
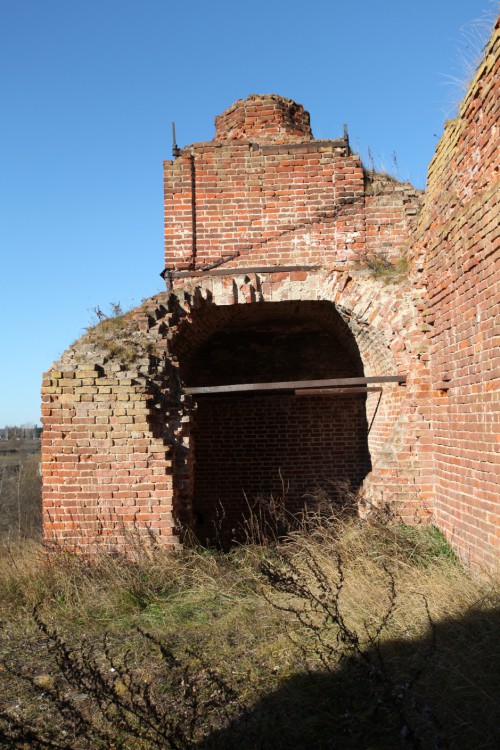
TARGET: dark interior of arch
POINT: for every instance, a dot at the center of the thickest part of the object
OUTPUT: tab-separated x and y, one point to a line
269	455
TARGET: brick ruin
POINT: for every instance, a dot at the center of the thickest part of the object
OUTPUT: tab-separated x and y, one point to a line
325	333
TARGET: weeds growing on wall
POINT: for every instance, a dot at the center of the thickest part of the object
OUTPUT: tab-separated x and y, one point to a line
379	266
116	335
470	49
379	172
344	634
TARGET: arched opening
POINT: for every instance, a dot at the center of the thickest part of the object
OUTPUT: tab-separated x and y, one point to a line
283	447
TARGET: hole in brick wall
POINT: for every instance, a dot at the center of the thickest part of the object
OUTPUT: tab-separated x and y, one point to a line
256	451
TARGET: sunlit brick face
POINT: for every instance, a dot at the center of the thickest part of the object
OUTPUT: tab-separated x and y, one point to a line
458	247
266	235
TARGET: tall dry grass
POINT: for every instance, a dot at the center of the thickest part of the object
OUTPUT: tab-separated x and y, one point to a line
343	634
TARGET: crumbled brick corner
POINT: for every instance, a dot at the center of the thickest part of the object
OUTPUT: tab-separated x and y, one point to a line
264	118
127	343
106	455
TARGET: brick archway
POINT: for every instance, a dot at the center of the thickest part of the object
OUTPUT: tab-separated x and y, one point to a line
253	450
373	318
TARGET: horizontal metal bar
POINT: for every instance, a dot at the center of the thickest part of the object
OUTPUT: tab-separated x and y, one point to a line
336	391
294	385
233	271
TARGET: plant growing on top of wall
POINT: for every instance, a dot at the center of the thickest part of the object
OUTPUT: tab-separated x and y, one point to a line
117	335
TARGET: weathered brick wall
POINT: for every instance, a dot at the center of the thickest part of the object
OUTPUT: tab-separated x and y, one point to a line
272	118
126	452
106	453
390	213
298	451
385	330
458	252
267	193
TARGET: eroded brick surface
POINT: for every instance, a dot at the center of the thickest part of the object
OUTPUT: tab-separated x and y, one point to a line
458	247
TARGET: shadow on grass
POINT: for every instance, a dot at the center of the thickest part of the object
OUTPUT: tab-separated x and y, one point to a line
438	692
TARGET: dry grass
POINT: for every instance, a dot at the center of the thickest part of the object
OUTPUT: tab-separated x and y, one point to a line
367	634
20	489
119	338
381	267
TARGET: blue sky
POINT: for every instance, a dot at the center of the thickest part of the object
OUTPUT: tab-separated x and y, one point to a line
89	90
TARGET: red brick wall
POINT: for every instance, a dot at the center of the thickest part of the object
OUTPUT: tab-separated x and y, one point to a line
284	447
103	472
460	244
272	118
106	455
377	322
251	199
390	212
262	193
118	454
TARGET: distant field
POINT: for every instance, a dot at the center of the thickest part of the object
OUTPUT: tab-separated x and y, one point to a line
12	451
20	488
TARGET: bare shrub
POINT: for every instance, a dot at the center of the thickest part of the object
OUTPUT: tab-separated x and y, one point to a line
99	700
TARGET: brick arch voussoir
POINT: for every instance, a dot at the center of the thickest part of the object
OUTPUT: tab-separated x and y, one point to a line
380	316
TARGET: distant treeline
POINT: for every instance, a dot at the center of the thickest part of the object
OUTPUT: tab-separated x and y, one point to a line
20	432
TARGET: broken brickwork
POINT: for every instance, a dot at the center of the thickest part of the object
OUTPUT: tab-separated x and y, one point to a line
264	191
277	251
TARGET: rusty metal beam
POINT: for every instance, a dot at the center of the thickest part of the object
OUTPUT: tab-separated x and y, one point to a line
310	147
307	146
336	391
234	271
292	385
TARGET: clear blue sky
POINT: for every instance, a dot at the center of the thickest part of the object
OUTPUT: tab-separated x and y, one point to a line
89	89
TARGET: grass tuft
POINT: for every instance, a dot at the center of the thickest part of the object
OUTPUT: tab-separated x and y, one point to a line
117	335
379	266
